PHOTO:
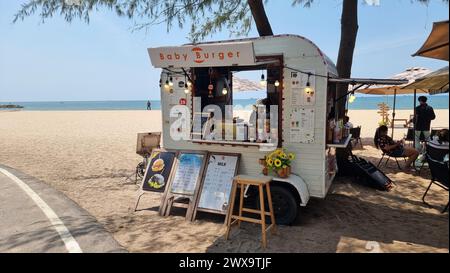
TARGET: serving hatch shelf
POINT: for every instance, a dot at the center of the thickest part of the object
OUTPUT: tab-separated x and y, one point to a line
342	144
234	143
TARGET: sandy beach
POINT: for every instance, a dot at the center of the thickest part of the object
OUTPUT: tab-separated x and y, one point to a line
89	154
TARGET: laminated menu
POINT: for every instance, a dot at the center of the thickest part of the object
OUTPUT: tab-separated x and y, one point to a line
187	173
218	181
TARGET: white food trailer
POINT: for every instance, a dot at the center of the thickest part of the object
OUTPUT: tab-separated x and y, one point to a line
299	81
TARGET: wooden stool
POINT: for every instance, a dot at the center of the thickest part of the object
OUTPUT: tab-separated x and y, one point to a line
260	182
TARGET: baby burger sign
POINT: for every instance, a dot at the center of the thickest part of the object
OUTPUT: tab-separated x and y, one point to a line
205	55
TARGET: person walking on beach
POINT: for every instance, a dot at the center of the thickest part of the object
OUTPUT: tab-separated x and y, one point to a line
423	116
149	105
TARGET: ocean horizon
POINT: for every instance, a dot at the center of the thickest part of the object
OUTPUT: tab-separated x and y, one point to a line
403	102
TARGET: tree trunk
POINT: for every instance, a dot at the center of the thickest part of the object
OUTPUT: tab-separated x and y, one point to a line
349	31
260	17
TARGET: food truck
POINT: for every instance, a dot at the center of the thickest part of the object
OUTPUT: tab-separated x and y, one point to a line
197	82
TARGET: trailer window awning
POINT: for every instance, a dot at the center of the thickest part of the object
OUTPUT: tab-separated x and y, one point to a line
361	81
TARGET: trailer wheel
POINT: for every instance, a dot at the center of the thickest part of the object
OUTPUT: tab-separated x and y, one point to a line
284	203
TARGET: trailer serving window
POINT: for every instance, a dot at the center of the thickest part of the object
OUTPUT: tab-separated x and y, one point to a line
217	118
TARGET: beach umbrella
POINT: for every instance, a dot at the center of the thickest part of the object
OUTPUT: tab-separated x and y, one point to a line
433	83
410	74
436	45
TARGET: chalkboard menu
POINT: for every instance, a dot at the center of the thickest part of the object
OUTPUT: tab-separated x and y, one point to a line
218	181
158	170
187	174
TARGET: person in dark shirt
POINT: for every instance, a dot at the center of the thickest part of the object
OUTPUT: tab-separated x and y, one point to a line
422	120
392	148
149	105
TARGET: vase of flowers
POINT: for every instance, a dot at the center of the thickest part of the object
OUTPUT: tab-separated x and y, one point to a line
278	162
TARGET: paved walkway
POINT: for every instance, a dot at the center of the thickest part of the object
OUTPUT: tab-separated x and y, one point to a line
37	218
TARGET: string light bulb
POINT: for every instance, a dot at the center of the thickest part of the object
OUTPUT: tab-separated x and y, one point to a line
263	80
277	83
170	81
224	91
308	88
352	98
166	85
186	89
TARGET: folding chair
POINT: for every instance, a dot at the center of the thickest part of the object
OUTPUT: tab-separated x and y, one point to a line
435	153
410	136
439	172
356	135
389	156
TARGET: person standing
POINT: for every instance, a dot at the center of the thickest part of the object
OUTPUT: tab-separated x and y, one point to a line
149	105
424	114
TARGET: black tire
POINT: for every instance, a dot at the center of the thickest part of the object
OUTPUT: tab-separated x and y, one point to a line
140	169
285	205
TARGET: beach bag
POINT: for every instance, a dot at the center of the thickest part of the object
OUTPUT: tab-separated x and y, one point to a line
367	174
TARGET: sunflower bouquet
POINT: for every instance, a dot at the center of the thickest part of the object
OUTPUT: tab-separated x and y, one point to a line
279	162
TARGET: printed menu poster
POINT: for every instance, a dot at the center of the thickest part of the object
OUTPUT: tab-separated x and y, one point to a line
218	181
187	173
296	97
158	171
302	125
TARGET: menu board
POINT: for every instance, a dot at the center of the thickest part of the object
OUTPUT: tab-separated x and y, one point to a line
218	181
158	171
302	125
187	173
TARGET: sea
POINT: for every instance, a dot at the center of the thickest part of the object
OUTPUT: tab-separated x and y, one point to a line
361	103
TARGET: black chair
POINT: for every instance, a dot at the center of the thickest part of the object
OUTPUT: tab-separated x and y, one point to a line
410	136
389	156
356	135
439	170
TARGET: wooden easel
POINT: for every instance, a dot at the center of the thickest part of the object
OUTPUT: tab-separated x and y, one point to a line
200	190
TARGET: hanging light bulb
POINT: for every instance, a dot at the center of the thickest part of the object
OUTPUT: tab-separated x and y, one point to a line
352	98
308	88
171	81
277	83
167	86
189	84
186	89
224	91
263	80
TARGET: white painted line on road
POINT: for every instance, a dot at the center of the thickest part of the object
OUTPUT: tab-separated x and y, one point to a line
71	244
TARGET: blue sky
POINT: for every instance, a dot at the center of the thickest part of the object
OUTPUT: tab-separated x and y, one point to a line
105	60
